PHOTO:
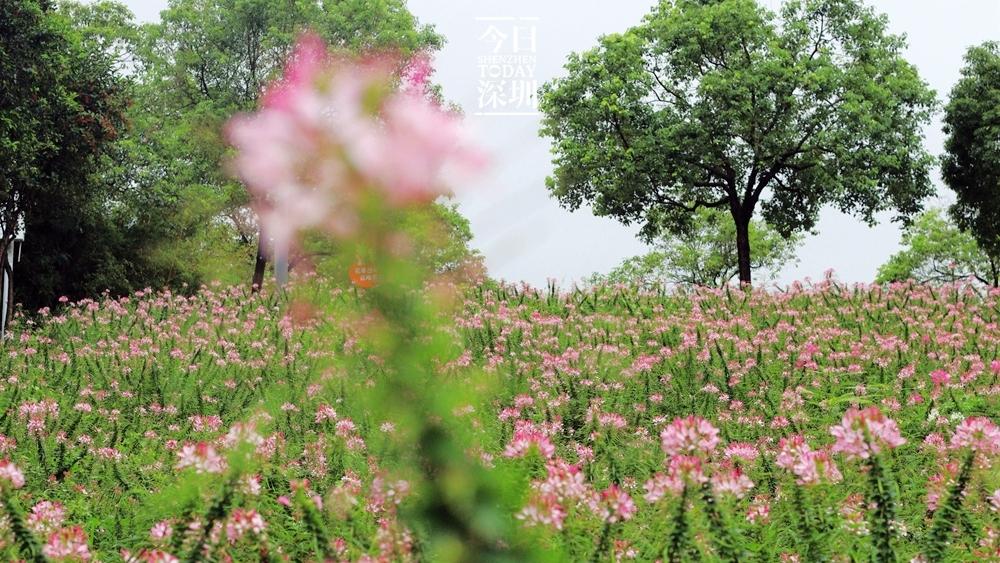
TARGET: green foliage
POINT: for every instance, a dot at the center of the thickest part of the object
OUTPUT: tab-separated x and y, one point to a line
935	250
725	105
136	375
971	163
61	112
705	254
206	61
136	195
437	237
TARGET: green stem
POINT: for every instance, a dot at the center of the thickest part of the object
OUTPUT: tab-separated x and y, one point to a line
678	536
946	515
882	511
26	541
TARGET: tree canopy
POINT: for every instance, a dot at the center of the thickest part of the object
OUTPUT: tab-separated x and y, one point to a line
61	111
705	255
208	60
724	104
971	163
935	250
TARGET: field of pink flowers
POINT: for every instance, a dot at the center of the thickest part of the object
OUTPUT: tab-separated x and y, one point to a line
820	423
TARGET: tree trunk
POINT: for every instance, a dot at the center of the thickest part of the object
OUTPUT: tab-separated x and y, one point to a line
8	271
10	297
261	264
743	247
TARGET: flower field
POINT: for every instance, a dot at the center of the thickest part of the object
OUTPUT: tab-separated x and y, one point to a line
820	423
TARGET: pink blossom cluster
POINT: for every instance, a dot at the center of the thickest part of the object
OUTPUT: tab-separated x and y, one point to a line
332	129
863	433
527	436
243	521
809	466
692	435
978	433
684	471
67	544
10	475
202	457
37	413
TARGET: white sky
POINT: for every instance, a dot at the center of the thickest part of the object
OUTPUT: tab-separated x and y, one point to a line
525	235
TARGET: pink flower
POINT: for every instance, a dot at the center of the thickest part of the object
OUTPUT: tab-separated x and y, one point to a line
307	62
862	433
325	412
67	544
324	136
810	467
742	451
11	475
978	433
242	521
564	480
37	413
416	77
526	436
940	377
46	517
543	510
661	484
994	501
689	436
161	531
7	444
616	505
759	510
733	482
686	470
202	457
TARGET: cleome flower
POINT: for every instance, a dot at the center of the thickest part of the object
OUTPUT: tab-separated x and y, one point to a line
692	435
978	433
333	127
862	433
10	475
202	457
809	466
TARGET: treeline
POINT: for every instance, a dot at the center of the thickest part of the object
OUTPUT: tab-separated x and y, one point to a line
716	125
112	155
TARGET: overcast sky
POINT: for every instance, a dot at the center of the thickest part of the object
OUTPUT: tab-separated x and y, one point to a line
523	233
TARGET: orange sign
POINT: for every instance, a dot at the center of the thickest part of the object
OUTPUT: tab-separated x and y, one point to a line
362	275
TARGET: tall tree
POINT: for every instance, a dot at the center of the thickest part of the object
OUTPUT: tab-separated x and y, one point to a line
705	255
61	108
724	104
209	59
935	250
971	164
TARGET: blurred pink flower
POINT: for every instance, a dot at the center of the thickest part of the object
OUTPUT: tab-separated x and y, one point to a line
67	544
525	437
978	433
10	474
660	485
46	517
202	457
333	128
616	505
862	433
543	510
689	436
733	482
242	521
809	466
